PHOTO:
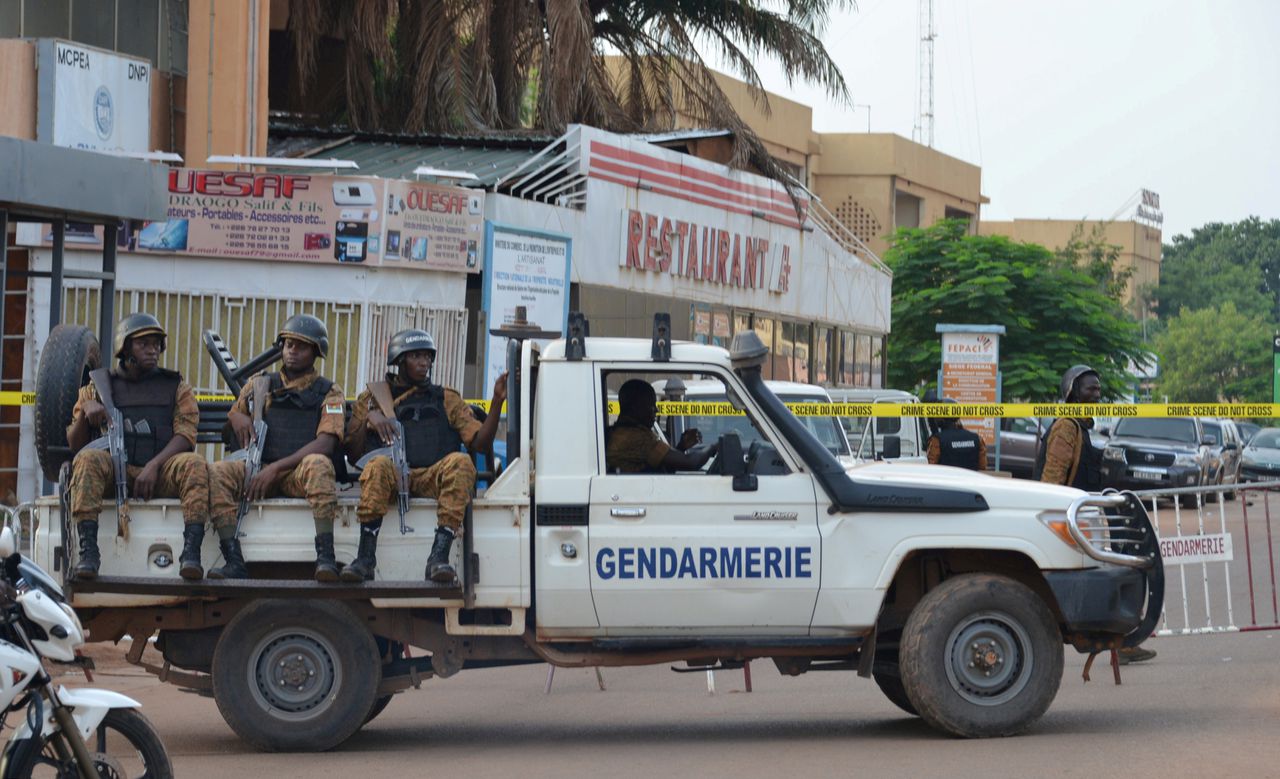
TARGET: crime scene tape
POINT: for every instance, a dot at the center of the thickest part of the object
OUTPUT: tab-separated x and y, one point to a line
972	410
962	410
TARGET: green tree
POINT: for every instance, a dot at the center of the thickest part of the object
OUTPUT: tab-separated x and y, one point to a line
1055	314
1217	263
452	65
1098	259
1218	354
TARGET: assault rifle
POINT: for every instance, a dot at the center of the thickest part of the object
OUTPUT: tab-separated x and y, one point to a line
381	392
113	442
252	455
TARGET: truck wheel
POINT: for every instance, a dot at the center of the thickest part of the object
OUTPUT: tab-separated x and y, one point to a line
981	656
70	353
892	688
295	675
394	650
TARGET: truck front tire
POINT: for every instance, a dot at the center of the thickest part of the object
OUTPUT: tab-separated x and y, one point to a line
981	656
295	676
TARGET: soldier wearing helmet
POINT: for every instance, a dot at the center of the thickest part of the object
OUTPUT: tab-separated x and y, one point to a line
1067	456
160	417
436	424
951	444
305	416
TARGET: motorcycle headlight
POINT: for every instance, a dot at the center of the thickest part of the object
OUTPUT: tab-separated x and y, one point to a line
1187	459
1113	453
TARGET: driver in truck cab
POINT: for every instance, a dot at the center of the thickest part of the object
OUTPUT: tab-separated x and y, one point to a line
305	415
436	423
633	446
160	417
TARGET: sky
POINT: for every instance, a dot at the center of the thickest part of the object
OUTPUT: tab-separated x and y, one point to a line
1071	108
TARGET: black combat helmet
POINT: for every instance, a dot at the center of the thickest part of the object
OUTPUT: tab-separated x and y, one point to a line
1069	379
411	340
135	325
307	328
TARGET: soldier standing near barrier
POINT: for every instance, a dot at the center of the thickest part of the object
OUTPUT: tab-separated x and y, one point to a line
436	424
1069	457
159	415
951	444
304	412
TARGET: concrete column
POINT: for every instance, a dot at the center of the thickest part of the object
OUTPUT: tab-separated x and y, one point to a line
227	66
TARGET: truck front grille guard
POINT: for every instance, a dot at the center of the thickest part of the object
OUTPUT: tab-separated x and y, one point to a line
1119	532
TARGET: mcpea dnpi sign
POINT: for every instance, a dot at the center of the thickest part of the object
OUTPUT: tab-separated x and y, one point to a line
90	98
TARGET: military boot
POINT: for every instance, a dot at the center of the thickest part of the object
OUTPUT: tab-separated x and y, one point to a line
90	559
438	567
326	563
234	567
361	568
192	538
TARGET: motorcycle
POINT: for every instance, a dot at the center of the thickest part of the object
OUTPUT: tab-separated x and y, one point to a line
64	733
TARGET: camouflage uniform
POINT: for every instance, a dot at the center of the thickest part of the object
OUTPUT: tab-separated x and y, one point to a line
184	475
312	478
1063	445
450	480
634	448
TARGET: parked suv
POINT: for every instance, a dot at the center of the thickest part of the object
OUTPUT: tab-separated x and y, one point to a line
1152	452
1224	450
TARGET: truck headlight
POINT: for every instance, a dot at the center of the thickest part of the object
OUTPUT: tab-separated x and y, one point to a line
1113	453
1187	459
1057	522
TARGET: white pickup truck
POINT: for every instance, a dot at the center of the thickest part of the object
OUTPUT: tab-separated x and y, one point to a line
956	592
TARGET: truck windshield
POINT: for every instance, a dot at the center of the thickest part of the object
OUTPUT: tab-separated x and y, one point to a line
1180	430
826	429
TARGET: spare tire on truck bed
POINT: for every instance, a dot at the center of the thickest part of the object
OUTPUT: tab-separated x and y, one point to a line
69	354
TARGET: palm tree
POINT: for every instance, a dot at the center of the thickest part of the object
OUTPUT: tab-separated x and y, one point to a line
451	65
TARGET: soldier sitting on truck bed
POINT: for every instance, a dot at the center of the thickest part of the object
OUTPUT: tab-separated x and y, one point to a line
633	447
436	424
305	416
159	416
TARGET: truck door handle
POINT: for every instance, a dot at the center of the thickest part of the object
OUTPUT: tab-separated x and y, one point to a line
634	513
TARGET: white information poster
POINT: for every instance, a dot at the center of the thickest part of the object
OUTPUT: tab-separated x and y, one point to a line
90	98
527	268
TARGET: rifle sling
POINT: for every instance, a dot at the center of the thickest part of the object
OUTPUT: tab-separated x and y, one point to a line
261	385
101	378
381	392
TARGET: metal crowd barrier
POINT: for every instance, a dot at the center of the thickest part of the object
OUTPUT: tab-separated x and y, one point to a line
1208	588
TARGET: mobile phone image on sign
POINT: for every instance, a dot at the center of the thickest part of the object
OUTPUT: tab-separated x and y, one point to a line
418	250
393	244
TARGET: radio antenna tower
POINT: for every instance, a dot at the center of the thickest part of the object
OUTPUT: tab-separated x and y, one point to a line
923	131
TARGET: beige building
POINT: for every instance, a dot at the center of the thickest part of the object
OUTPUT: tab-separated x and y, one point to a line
1139	245
873	183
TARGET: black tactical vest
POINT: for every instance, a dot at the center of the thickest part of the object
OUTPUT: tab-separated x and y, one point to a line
958	447
1089	472
292	417
428	436
146	406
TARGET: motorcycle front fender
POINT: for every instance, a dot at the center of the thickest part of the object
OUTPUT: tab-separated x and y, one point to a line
88	707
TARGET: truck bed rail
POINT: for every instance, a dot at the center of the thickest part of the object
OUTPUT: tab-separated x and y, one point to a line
266	588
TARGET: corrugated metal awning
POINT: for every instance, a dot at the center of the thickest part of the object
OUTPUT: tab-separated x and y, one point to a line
488	157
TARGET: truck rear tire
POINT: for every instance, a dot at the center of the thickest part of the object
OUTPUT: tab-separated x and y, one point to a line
297	676
70	353
981	656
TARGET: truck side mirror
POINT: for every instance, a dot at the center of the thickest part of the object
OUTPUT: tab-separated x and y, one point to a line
892	447
734	465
